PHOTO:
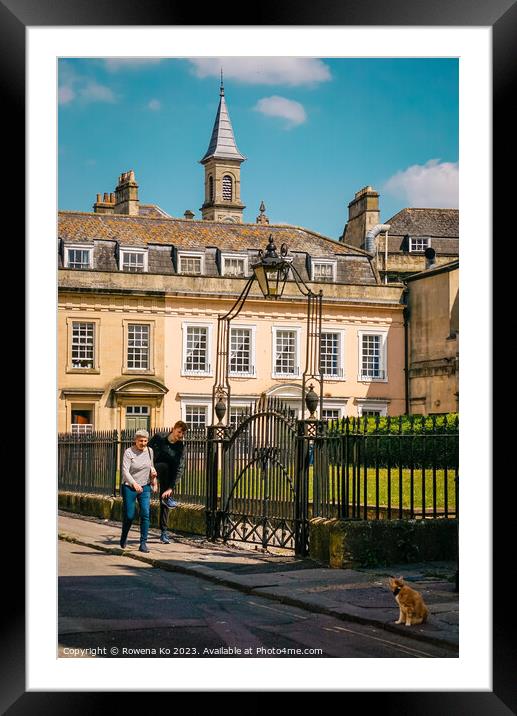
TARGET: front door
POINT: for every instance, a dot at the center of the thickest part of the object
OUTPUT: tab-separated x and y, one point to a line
137	417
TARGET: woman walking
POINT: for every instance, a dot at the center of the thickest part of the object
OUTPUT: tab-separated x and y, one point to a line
138	479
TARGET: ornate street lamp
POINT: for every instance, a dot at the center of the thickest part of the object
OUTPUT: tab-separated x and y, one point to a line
271	272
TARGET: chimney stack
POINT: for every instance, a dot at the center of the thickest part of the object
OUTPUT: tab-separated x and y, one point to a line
104	204
126	195
363	215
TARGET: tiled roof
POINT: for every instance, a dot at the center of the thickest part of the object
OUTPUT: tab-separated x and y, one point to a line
425	222
79	227
152	210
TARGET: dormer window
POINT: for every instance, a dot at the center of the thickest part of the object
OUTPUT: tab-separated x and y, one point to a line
133	260
78	257
191	263
227	188
323	270
419	243
234	265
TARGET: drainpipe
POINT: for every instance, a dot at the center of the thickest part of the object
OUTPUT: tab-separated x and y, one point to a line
370	244
405	313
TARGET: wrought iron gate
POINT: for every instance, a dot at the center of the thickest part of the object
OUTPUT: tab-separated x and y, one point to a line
254	464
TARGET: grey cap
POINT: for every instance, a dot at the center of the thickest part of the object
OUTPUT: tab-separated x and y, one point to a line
141	434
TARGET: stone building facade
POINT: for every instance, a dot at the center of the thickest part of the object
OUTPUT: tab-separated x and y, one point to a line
433	345
140	292
400	250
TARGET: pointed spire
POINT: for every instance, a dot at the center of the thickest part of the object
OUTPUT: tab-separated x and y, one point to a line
262	218
222	143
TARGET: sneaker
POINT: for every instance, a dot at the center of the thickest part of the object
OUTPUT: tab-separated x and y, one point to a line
170	502
123	543
164	538
143	547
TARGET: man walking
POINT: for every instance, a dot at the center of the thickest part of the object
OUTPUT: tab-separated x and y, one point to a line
169	461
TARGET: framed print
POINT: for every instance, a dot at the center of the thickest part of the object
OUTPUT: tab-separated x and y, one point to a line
36	37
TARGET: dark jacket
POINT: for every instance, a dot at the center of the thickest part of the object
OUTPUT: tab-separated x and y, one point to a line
172	454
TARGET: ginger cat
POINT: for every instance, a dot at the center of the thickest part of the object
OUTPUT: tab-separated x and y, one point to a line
412	607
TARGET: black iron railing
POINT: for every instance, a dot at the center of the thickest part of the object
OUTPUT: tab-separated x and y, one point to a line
87	462
384	468
92	463
352	468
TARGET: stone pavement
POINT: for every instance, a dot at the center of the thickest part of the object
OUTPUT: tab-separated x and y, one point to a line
359	595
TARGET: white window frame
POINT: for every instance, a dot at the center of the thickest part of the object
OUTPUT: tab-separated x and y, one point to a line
253	372
125	367
129	250
196	402
237	405
419	239
78	247
241	257
141	410
194	324
198	406
298	332
81	428
383	355
340	407
326	262
365	405
191	255
341	352
70	320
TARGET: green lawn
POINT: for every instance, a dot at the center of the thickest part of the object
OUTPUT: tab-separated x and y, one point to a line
390	491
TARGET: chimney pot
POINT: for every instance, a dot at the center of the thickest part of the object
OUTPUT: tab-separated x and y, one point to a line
106	198
112	197
98	198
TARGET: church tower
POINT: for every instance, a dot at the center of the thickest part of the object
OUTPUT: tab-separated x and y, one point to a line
222	163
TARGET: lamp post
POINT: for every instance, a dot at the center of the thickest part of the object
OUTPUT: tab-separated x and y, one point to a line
271	272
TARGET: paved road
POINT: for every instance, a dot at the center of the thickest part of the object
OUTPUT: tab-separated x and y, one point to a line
111	606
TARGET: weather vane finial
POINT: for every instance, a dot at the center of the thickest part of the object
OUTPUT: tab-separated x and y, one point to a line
222	85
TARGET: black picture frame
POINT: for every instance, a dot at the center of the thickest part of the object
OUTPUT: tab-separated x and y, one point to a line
501	16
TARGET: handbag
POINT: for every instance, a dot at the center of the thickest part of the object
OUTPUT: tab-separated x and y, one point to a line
152	478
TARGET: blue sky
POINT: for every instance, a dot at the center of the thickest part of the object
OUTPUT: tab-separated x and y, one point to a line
314	132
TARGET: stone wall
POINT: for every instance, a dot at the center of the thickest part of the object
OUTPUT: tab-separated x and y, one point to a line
341	544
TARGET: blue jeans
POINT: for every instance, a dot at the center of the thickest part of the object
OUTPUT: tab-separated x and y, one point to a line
129	498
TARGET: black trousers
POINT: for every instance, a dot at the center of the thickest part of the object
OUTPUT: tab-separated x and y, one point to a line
165	480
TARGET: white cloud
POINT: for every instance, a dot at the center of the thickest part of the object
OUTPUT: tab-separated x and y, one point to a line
291	71
284	108
65	94
94	92
154	105
73	86
432	185
130	63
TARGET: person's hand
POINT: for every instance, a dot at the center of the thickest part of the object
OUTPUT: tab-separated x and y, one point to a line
138	487
154	486
167	493
153	472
